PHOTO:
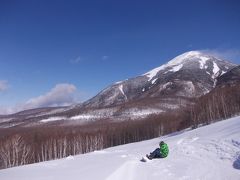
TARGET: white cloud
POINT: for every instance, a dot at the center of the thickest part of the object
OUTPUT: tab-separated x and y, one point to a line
60	95
3	85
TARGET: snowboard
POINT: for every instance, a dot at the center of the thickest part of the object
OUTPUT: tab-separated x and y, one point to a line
145	159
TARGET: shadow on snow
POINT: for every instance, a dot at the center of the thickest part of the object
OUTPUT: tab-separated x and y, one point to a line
236	163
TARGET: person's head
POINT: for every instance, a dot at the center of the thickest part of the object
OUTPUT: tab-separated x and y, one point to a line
161	143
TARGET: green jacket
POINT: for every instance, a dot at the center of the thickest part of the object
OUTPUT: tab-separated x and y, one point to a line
164	150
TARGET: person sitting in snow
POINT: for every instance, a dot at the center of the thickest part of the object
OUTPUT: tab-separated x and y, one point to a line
161	152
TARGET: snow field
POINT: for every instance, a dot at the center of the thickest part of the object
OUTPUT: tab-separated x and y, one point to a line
206	153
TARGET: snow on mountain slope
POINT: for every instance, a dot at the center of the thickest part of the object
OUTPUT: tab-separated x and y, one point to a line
187	59
206	153
194	66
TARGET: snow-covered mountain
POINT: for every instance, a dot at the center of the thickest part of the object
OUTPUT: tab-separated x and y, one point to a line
170	86
165	88
209	152
191	74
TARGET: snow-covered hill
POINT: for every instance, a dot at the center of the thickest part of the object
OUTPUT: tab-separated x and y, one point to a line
206	153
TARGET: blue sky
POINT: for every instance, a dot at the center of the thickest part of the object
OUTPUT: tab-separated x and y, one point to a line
55	52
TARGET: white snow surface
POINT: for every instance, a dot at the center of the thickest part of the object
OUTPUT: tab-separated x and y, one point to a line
176	68
52	119
223	72
136	113
215	68
121	89
183	57
207	153
84	116
153	81
202	62
151	74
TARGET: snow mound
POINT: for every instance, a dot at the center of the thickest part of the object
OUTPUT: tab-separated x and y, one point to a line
209	152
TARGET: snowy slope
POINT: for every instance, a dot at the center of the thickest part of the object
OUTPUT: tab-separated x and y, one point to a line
210	152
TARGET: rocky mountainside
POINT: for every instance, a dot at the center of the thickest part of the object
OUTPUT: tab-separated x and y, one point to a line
221	102
171	86
230	78
191	74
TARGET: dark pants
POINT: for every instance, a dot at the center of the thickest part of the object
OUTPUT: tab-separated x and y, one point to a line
156	154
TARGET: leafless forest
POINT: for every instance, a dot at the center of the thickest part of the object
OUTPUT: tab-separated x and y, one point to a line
219	104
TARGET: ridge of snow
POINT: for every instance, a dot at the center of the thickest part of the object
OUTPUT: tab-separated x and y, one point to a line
209	152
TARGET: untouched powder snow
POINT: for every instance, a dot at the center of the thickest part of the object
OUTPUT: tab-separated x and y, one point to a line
207	153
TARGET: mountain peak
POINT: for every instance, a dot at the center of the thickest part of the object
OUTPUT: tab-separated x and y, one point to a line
190	60
193	53
190	54
177	62
187	56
